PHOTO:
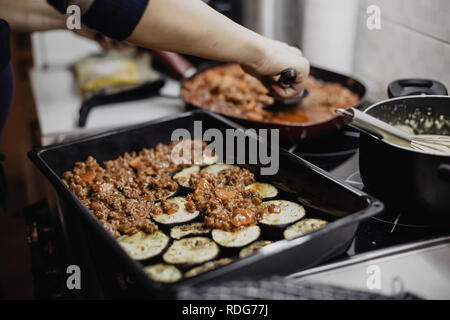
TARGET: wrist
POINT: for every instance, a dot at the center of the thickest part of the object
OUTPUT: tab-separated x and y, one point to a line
257	52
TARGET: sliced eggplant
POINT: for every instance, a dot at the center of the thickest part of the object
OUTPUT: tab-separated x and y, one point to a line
266	190
208	159
171	194
284	187
191	251
184	175
180	216
216	168
193	229
289	212
164	273
236	239
142	246
212	265
303	227
251	249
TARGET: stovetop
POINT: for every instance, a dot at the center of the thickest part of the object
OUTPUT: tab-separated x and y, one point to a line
339	156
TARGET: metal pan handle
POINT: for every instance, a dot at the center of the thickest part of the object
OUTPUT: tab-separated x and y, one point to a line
146	90
368	124
178	65
410	87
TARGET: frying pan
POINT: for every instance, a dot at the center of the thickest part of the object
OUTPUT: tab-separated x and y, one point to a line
183	70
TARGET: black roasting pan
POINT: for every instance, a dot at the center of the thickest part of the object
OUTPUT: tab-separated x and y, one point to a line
114	275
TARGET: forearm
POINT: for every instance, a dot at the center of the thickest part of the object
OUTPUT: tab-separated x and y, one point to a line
31	15
192	27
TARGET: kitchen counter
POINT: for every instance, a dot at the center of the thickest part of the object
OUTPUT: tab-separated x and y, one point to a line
58	100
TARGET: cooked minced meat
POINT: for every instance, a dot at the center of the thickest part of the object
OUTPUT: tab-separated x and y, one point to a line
224	201
122	192
232	177
228	90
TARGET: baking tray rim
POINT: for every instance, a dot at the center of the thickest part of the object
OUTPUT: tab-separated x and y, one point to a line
374	206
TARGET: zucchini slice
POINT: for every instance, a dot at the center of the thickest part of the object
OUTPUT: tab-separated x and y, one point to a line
164	273
189	251
266	190
181	216
184	175
251	249
236	239
212	265
290	212
216	168
193	229
303	227
142	246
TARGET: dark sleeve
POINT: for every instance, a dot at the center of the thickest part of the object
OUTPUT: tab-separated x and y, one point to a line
4	44
6	77
60	5
116	19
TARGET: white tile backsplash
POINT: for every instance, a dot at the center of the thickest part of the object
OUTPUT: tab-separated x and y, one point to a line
414	41
430	17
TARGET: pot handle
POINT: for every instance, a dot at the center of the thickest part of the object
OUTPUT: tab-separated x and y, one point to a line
410	87
444	171
178	65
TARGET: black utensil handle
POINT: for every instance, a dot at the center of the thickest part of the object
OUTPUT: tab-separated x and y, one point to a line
288	77
146	90
444	171
410	87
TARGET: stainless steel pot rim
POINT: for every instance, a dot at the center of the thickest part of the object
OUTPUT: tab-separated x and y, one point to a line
422	96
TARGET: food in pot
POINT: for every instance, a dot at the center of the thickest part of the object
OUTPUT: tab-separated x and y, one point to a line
191	251
280	213
173	211
254	247
236	239
230	91
113	72
303	227
266	190
209	266
142	246
193	229
164	273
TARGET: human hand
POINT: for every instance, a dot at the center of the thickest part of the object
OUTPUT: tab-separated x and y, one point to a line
276	57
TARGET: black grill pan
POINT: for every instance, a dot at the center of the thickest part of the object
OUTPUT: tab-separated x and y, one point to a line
116	275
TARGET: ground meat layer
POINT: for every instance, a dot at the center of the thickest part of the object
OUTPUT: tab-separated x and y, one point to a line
223	199
122	192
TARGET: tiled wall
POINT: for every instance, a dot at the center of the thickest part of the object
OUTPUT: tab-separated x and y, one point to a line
414	41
